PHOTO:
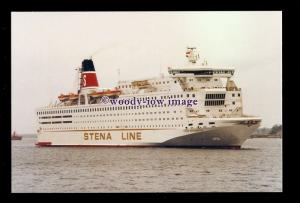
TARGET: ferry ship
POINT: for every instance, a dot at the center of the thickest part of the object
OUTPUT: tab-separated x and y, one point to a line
88	117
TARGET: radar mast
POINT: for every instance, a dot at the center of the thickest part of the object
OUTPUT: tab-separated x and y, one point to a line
192	54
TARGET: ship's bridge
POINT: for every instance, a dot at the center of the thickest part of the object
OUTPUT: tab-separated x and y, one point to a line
201	72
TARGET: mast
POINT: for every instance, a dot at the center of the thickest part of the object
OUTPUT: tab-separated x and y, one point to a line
192	55
78	79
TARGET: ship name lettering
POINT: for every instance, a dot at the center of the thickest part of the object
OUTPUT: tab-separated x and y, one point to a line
132	136
97	136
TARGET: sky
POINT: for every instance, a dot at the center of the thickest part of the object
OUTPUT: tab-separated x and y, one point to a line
48	46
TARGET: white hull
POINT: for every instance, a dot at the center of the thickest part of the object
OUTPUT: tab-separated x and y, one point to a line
229	133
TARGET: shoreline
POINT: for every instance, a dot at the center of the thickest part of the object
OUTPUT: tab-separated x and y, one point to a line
265	136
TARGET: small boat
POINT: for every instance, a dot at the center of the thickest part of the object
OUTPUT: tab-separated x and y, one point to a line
63	97
73	96
15	136
141	84
113	92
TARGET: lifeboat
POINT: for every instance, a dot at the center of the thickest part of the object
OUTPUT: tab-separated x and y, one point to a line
141	84
63	97
108	93
66	97
73	96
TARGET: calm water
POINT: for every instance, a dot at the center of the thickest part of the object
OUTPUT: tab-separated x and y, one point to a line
256	167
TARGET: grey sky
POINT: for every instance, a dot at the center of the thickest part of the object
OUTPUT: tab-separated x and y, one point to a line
46	47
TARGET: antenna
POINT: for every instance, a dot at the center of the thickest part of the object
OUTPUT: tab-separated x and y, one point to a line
77	78
160	69
118	74
161	74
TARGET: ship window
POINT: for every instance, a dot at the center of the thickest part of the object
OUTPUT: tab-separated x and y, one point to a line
233	103
239	94
193	95
233	95
187	95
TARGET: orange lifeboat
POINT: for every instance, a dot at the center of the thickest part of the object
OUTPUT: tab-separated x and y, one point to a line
63	97
142	84
73	96
114	92
66	97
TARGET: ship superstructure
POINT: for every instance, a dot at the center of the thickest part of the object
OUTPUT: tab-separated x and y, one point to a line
194	106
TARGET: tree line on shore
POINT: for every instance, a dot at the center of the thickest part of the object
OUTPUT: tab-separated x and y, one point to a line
274	131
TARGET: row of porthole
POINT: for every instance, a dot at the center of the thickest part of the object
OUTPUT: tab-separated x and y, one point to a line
163	82
143	113
99	109
153	83
115	127
109	121
95	115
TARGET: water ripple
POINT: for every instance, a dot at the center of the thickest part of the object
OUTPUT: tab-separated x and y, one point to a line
257	167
